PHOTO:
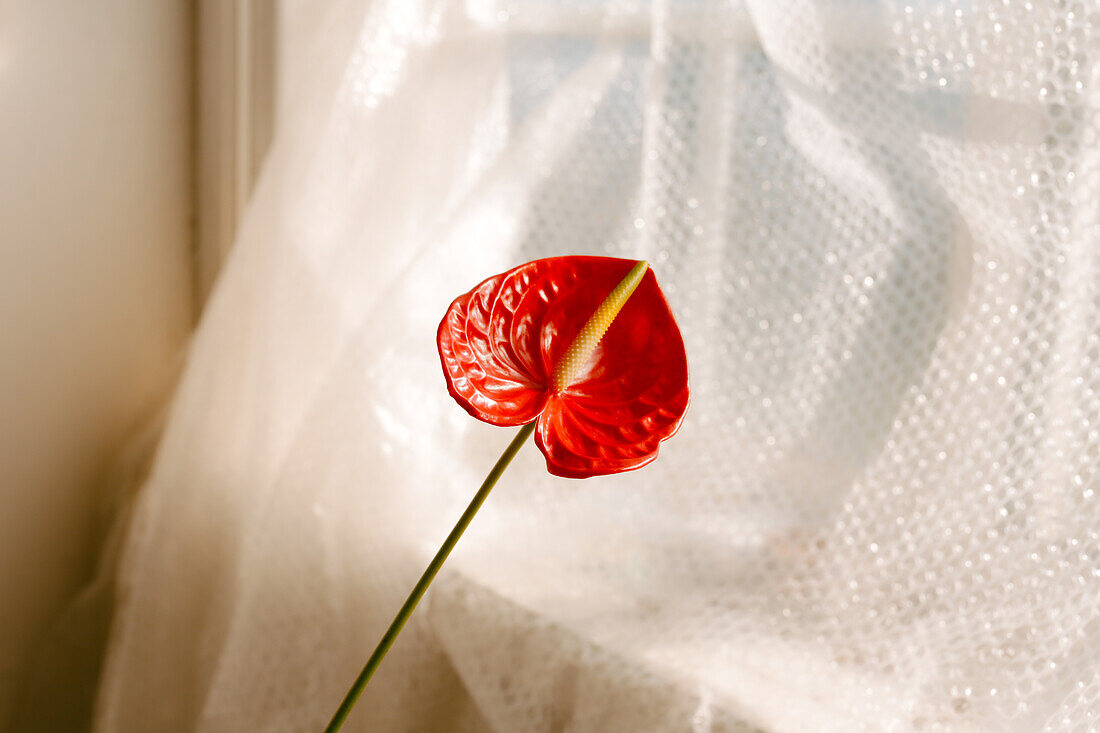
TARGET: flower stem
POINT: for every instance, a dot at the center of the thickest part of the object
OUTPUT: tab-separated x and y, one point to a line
426	579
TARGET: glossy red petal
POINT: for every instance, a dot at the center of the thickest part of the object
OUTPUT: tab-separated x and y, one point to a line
633	397
484	373
500	343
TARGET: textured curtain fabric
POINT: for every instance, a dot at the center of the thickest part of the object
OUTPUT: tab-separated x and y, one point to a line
877	226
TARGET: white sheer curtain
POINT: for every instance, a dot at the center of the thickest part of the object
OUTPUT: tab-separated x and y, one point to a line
877	225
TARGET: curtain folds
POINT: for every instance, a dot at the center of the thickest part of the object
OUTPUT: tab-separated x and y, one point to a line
877	226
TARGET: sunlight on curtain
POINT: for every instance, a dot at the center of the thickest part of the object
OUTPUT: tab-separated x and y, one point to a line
877	225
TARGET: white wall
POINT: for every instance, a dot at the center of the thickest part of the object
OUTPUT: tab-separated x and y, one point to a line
95	276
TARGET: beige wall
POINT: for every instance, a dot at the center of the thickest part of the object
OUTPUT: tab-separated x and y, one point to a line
95	276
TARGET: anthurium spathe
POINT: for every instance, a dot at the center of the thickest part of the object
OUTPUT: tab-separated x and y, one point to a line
586	346
581	351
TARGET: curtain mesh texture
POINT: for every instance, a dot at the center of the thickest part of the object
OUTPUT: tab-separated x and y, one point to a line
877	226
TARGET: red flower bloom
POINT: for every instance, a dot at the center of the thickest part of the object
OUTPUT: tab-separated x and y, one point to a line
511	354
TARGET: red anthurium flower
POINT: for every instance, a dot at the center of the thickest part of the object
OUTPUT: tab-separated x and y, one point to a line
585	345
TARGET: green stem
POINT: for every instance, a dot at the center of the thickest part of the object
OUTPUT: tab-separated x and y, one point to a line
426	579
